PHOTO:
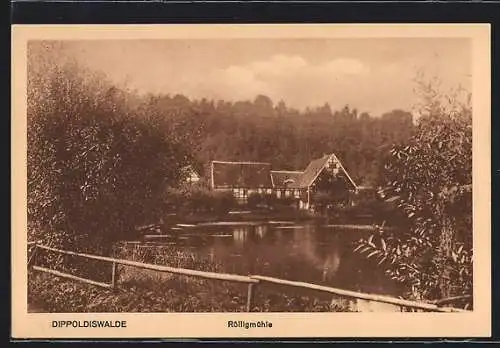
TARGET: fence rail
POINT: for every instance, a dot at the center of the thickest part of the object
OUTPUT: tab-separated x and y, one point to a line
360	295
158	268
251	280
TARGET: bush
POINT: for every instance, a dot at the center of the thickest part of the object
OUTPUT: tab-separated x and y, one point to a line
96	164
270	200
255	199
429	179
379	210
197	199
223	202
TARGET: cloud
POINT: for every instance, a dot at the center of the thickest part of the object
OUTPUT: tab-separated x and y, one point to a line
277	65
374	76
290	67
344	67
373	87
289	77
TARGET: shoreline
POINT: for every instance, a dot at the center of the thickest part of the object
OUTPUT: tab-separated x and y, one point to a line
177	222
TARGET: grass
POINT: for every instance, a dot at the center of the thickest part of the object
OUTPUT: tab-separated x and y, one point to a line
149	291
167	294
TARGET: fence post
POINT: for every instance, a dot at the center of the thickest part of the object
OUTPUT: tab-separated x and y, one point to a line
114	275
250	294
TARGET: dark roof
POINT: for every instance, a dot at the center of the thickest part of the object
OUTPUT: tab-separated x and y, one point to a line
286	178
241	174
312	171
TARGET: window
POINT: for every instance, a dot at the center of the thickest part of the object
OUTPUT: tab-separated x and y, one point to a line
333	166
241	194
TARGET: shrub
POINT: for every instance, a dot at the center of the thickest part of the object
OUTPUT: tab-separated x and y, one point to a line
197	199
255	199
429	180
96	164
223	202
379	210
270	200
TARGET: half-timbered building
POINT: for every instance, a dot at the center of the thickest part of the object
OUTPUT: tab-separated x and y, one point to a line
241	178
325	174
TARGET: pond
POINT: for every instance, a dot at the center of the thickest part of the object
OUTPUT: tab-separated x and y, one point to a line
300	252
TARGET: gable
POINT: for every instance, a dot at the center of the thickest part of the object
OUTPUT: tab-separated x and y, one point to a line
329	163
190	174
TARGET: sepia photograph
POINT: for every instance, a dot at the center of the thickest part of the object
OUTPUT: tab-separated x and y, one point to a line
246	174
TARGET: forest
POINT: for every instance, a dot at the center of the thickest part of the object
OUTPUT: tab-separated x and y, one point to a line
264	130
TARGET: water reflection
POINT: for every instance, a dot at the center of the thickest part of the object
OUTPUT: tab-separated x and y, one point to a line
304	253
240	235
261	231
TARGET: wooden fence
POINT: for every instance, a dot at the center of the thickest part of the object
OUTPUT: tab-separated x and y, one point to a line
252	281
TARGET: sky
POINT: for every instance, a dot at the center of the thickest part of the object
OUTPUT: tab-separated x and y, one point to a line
372	75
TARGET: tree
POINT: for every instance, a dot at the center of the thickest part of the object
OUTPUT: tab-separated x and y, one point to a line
429	180
95	169
263	106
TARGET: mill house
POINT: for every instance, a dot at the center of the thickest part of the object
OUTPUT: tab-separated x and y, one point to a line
246	178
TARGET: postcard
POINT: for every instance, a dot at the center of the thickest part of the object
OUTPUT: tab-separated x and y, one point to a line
244	181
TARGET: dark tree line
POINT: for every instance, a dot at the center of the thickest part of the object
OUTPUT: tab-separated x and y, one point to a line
288	138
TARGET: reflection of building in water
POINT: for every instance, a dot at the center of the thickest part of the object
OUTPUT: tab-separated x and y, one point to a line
260	231
240	235
330	265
